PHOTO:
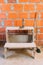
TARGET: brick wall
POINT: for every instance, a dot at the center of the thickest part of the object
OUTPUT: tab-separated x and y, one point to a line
13	11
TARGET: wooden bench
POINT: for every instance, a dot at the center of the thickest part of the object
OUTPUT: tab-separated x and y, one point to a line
9	45
19	46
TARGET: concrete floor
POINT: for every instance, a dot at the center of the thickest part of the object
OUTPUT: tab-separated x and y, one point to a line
21	59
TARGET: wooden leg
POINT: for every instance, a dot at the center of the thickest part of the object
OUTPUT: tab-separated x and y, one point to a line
33	53
5	52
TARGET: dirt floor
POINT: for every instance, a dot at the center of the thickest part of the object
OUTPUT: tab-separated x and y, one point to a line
21	58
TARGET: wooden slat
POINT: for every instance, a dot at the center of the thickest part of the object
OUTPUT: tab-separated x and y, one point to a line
19	45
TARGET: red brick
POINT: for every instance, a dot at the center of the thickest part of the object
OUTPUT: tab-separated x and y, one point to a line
23	0
18	7
39	43
35	30
1	1
18	22
28	7
40	36
39	23
41	0
29	23
34	15
39	7
2	37
7	23
6	7
11	1
2	30
41	15
23	15
35	1
2	15
41	30
12	15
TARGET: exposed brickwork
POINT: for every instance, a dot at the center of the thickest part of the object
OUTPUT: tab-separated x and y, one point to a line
39	7
29	7
12	15
41	0
24	1
35	1
18	7
41	15
23	15
2	30
18	22
29	23
7	23
1	1
2	15
11	1
5	7
39	23
13	11
41	30
32	15
40	36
